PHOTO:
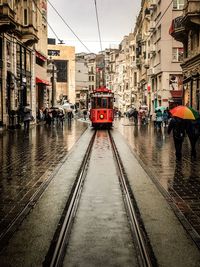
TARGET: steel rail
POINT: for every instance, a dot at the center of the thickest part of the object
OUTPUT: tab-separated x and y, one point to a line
57	256
146	256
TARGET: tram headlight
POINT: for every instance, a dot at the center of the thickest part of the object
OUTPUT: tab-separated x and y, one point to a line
101	116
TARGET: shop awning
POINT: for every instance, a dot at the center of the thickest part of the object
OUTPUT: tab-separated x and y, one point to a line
38	80
40	56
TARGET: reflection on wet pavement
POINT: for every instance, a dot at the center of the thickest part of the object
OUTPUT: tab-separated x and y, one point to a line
181	179
27	161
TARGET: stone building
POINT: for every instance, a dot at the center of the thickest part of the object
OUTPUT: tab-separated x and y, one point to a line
186	29
41	79
63	58
23	53
18	27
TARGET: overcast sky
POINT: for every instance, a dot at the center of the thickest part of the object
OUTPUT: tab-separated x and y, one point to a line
116	19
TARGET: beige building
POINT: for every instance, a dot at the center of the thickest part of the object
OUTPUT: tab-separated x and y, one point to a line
186	28
64	60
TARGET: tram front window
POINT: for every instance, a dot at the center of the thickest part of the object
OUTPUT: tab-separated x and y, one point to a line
98	103
104	102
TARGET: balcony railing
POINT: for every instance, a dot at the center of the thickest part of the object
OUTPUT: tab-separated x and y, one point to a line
177	29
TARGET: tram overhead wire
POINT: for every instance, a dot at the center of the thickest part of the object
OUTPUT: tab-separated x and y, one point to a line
60	41
95	3
68	26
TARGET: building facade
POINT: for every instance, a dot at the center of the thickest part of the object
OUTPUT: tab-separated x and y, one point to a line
81	81
186	29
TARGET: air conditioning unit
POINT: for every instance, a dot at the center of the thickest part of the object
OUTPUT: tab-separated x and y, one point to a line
152	26
146	63
152	49
150	72
153	4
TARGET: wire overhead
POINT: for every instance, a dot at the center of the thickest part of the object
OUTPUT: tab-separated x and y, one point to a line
61	41
95	3
68	26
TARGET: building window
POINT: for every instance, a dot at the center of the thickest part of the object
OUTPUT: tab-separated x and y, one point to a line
62	70
135	78
54	53
178	4
177	54
25	17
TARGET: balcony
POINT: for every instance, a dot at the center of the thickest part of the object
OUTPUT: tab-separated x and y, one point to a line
192	11
28	35
7	18
177	29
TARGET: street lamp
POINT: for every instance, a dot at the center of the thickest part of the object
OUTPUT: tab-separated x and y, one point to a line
52	69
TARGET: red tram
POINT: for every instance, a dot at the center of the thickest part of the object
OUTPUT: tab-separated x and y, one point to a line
102	112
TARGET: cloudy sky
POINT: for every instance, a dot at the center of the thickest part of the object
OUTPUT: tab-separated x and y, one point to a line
116	19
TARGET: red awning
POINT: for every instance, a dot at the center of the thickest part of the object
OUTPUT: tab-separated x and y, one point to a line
176	93
40	56
38	80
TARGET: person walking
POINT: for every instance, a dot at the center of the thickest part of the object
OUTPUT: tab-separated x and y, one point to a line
165	118
153	118
27	117
85	114
178	126
159	119
135	116
193	133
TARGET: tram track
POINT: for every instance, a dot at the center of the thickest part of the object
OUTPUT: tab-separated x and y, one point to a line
57	250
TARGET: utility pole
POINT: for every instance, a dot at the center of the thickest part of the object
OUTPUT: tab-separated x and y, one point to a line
53	84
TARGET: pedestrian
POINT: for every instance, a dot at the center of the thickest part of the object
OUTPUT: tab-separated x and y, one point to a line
69	115
48	116
27	117
153	118
178	126
61	116
159	119
85	114
193	133
135	116
165	118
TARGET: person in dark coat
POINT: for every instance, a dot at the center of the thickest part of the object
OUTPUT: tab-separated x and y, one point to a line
178	126
27	117
193	133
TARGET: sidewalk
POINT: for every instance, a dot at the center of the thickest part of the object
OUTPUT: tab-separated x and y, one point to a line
179	181
171	243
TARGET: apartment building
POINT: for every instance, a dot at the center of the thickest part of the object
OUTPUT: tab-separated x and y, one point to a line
158	56
186	29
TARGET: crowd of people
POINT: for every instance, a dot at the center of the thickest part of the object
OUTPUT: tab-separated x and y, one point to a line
180	127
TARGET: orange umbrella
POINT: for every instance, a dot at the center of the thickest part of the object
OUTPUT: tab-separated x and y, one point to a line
184	112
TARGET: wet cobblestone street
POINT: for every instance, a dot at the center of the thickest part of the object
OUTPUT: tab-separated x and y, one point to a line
28	161
178	180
